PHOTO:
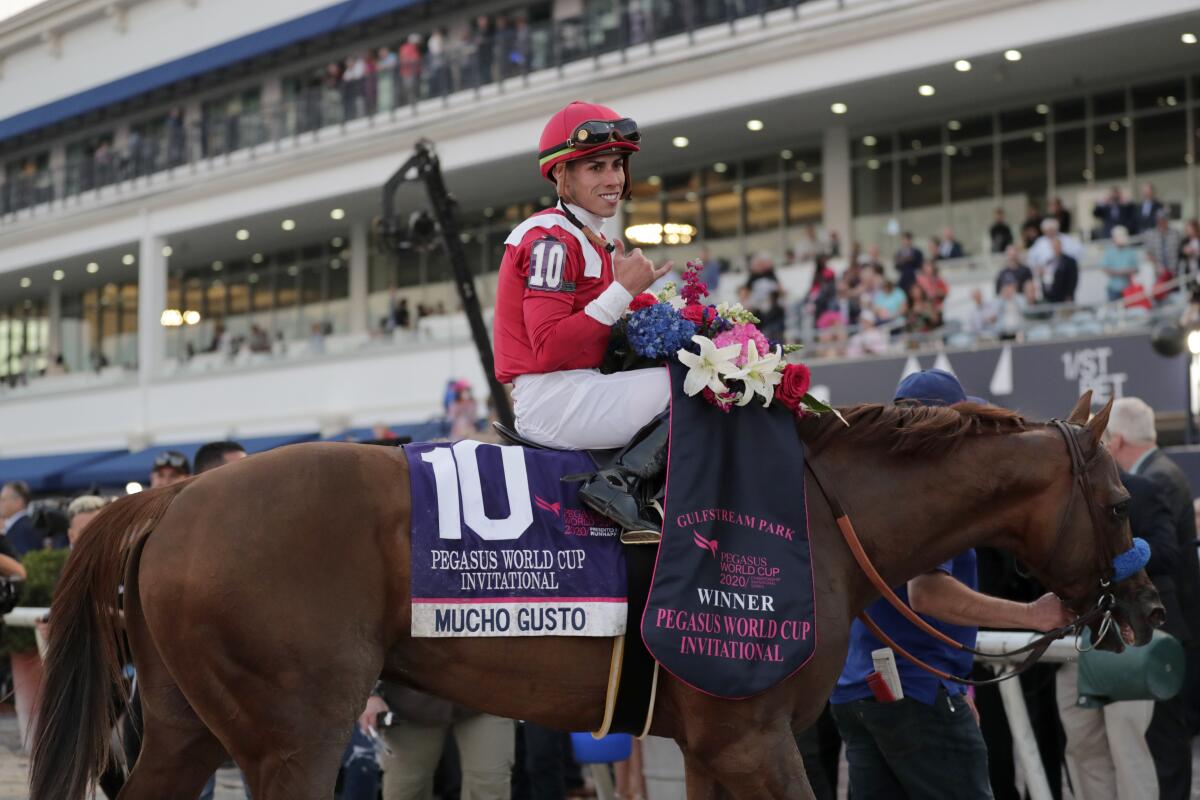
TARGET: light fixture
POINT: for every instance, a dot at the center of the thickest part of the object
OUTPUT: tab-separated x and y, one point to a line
127	259
252	277
654	233
1114	126
133	487
191	317
873	163
257	258
288	224
1098	149
954	125
951	150
839	108
754	125
1171	101
654	180
337	213
93	267
962	65
916	180
58	275
1042	109
293	270
807	177
1039	136
1193	342
171	318
242	234
338	241
680	141
869	141
1012	55
336	263
167	251
26	283
720	167
925	90
786	155
1188	38
217	266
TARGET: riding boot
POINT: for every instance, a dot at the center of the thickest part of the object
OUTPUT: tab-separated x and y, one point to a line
627	492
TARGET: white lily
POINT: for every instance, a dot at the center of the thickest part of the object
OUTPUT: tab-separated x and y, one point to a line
759	374
705	370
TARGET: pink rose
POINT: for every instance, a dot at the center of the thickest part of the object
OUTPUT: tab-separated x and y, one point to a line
793	386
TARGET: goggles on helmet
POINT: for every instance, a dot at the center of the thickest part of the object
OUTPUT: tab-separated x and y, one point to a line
598	131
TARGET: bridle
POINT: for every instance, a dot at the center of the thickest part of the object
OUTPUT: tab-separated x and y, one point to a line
1102	610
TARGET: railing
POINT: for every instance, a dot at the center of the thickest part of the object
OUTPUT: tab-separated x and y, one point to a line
504	57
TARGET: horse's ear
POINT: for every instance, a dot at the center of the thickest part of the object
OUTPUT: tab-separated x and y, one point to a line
1099	423
1083	409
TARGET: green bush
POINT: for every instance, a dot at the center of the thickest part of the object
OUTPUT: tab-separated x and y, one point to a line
43	568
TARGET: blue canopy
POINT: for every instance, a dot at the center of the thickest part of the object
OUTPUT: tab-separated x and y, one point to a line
125	467
417	431
309	26
45	473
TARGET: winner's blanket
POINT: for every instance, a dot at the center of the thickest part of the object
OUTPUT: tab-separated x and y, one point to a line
502	547
731	604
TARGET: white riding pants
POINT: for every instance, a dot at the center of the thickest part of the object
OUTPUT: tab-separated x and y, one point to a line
582	409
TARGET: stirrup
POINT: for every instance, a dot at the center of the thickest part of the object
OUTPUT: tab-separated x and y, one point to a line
640	537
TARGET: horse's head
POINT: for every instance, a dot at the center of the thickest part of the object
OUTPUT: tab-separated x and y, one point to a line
1088	527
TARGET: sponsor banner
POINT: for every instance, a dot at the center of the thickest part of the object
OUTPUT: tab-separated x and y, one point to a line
501	546
558	617
1040	380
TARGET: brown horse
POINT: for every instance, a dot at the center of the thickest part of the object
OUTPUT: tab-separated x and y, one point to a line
262	601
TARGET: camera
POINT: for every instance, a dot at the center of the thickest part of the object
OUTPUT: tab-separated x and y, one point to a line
10	593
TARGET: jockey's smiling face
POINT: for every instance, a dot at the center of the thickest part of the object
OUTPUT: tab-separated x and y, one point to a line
596	183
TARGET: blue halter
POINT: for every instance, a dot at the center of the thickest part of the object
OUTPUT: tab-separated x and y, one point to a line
1132	560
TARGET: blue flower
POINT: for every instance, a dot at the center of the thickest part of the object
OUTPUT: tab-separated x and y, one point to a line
658	331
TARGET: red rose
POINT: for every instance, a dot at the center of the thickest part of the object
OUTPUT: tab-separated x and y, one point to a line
793	386
698	314
643	300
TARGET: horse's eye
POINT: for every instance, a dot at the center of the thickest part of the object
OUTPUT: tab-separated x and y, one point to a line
1120	511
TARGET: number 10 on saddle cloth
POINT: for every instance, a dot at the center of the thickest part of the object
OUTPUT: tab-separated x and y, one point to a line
501	546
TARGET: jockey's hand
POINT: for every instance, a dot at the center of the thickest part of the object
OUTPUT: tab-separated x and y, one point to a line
375	707
634	271
1048	613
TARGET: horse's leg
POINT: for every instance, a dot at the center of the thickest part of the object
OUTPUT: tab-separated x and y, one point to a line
700	784
757	764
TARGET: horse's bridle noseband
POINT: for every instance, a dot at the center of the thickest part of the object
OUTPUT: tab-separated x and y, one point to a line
1103	610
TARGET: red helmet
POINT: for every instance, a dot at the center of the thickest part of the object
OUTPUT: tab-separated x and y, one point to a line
585	129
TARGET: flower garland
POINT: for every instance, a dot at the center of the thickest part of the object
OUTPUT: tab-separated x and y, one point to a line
730	361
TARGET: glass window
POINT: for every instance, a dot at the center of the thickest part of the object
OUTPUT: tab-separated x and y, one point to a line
760	167
1165	94
1023	166
681	181
804	200
684	210
968	128
643	212
920	139
1109	103
1024	118
721	211
764	208
921	181
1070	156
1074	110
1160	142
1108	151
872	188
971	173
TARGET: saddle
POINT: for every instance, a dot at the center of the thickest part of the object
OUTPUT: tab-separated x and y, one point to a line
601	458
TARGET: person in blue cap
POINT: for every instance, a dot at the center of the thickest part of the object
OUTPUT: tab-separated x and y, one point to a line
927	745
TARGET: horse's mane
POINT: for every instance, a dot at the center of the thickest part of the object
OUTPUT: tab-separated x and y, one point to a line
918	430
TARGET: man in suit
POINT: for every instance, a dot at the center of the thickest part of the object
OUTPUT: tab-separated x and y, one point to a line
18	526
1132	440
1116	210
1107	753
1146	214
1059	276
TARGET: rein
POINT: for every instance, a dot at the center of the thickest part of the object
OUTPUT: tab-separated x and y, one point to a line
1102	609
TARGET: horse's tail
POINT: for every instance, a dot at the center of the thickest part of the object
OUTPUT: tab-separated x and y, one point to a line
79	707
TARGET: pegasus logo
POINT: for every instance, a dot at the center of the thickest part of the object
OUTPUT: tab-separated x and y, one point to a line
546	505
705	544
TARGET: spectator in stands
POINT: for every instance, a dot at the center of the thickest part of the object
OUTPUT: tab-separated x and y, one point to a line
485	49
869	340
1013	269
463	412
761	282
949	247
922	315
908	260
1000	234
902	749
834	247
1042	251
80	513
710	275
872	258
370	82
385	71
421	722
1120	263
1132	440
316	338
351	86
438	66
170	466
1060	213
1060	275
260	340
1162	244
889	301
933	285
57	365
809	244
18	525
1115	210
410	68
215	454
1146	213
823	291
1009	310
401	317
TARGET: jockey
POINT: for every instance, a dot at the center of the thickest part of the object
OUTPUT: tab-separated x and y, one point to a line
562	286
